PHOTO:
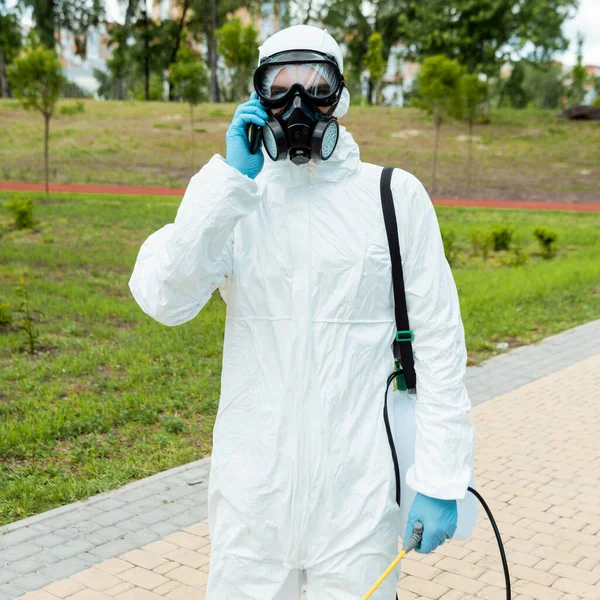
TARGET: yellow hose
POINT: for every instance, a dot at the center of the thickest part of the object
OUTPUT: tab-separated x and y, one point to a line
384	575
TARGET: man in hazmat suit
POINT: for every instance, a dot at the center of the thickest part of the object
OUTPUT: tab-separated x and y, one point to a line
302	486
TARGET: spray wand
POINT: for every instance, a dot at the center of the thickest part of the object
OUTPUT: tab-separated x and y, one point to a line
409	544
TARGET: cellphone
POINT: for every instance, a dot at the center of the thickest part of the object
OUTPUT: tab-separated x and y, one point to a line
255	133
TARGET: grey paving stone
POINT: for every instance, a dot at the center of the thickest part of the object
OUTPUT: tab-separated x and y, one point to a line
34	581
80	529
65	568
19	551
114	548
49	540
153	516
143	537
11	590
6	575
108	504
34	562
131	525
12	538
105	534
164	529
185	519
134	494
71	548
111	517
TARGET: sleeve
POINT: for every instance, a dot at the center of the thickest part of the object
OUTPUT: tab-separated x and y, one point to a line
179	266
444	443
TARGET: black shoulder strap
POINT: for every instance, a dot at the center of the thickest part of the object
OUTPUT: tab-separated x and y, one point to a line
404	336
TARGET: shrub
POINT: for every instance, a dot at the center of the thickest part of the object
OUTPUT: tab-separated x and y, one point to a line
5	314
517	258
73	109
22	210
547	239
501	237
480	243
450	247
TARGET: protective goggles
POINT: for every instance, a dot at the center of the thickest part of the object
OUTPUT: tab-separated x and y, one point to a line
314	75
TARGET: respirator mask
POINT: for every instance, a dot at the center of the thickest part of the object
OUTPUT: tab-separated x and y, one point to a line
300	90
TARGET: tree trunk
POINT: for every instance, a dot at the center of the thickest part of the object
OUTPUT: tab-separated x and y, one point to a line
146	56
370	92
438	124
214	82
469	155
192	128
46	165
210	25
3	76
173	58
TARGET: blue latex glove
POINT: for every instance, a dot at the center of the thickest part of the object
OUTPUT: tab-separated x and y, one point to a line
238	148
439	518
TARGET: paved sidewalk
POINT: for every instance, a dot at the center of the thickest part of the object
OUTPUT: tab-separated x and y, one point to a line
85	188
538	464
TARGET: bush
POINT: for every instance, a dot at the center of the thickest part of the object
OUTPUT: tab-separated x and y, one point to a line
480	243
517	257
450	247
22	210
6	317
547	239
501	237
73	109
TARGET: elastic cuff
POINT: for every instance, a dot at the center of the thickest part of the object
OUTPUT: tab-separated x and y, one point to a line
454	488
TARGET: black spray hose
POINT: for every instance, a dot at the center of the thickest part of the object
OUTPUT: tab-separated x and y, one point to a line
498	539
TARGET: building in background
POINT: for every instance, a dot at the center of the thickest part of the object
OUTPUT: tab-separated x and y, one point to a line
81	70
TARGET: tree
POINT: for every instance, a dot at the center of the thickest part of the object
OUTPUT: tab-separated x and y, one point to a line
543	84
576	91
483	34
473	92
375	64
75	16
10	45
189	79
36	79
437	93
353	21
238	44
512	89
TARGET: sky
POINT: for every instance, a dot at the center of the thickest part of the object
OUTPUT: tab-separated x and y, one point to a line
587	20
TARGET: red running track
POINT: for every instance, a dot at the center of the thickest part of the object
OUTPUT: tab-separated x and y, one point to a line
17	186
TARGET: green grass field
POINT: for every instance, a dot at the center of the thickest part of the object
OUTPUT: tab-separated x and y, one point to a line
529	154
114	396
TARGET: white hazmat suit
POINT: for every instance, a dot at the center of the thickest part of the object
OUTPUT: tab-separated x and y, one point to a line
302	481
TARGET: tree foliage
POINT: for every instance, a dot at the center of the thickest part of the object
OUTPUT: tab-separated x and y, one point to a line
238	45
375	64
482	34
513	91
189	77
75	16
353	22
579	76
437	86
544	85
10	44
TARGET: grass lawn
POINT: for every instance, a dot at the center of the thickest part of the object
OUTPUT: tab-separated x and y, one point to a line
115	396
527	154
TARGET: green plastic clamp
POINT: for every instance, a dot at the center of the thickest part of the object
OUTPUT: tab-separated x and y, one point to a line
406	335
399	380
